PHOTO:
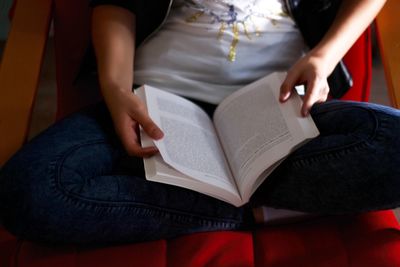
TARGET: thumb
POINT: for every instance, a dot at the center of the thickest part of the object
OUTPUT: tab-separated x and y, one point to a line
149	126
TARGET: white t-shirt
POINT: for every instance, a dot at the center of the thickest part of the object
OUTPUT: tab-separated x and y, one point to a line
206	49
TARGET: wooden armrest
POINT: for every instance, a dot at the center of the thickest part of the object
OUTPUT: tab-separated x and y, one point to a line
20	70
388	29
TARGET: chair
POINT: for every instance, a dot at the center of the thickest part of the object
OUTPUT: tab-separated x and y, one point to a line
370	239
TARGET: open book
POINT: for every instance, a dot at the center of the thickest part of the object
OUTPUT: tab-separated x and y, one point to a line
230	156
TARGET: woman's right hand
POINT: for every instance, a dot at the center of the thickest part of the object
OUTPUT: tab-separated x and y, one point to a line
113	35
128	112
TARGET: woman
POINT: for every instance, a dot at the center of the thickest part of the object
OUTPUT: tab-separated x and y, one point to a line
81	181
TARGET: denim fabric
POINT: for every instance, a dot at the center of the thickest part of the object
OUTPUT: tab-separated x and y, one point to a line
74	182
353	166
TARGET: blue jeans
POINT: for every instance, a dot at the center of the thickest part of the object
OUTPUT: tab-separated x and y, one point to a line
74	183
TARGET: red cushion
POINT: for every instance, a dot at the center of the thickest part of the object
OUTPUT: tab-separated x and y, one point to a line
8	248
359	62
367	240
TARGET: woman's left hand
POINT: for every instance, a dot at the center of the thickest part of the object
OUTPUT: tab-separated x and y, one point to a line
311	72
353	17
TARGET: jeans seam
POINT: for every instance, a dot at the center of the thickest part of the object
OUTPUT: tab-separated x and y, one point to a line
140	208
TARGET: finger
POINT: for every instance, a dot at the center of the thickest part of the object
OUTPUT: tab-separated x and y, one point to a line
146	152
143	152
287	86
130	140
136	149
148	124
315	93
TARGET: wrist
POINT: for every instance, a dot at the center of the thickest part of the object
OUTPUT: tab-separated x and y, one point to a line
115	95
325	60
112	90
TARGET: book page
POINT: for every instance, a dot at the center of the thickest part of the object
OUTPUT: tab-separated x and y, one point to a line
257	131
190	144
158	170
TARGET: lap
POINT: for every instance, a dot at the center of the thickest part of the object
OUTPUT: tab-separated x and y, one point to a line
77	173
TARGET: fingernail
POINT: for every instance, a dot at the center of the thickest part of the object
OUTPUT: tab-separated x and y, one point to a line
284	96
157	134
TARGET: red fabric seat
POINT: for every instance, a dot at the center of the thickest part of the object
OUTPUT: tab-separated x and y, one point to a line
370	239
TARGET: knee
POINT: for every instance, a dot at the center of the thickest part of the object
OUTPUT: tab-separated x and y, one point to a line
346	118
23	187
35	185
